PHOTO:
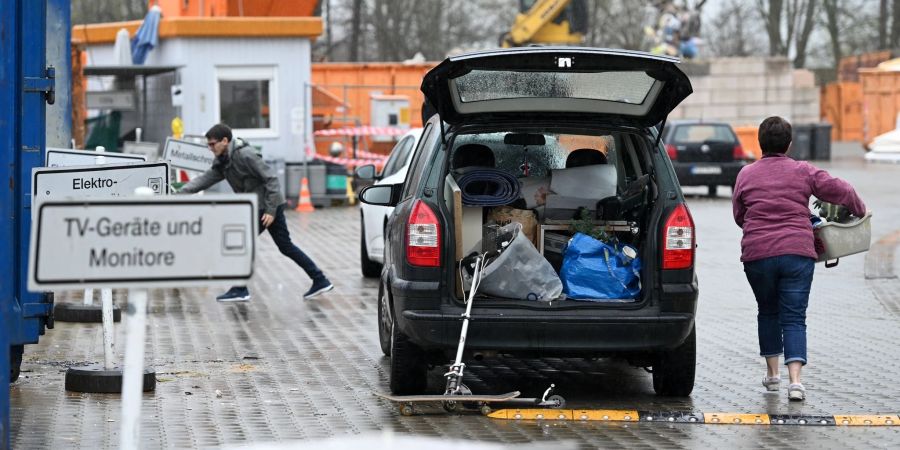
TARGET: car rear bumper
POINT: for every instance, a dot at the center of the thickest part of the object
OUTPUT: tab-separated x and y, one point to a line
688	175
422	313
564	334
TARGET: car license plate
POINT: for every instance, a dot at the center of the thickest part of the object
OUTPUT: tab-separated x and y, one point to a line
706	170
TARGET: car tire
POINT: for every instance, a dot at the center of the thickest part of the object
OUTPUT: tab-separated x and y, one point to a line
370	269
385	321
713	190
409	369
674	370
15	361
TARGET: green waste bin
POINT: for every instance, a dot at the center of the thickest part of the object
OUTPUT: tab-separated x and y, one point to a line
336	180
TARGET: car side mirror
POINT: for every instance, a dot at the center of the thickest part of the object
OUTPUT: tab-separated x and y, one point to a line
381	195
366	172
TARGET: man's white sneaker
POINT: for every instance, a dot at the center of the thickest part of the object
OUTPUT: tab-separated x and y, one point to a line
771	383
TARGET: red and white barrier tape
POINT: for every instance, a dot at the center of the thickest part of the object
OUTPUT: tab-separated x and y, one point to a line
362	131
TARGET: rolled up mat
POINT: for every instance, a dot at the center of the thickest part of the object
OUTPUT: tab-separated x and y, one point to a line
488	187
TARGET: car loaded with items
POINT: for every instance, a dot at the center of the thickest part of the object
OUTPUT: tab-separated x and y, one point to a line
552	154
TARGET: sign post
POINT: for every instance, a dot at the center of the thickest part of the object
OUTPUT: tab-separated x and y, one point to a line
108	180
140	243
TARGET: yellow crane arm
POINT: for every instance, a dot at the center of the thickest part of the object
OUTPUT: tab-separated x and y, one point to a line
537	25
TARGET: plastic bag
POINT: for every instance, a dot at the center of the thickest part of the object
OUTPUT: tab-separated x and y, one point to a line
520	272
594	270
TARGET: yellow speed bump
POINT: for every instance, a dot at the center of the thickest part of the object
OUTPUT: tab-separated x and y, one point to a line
736	419
532	414
609	415
866	421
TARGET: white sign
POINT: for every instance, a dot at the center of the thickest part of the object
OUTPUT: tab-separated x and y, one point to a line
63	157
188	155
142	242
116	100
149	150
98	181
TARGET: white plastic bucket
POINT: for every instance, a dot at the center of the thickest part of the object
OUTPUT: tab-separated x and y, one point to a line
844	239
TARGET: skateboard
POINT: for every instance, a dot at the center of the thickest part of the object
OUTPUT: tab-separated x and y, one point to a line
450	403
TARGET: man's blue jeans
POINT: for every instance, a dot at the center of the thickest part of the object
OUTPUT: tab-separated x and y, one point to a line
781	285
282	237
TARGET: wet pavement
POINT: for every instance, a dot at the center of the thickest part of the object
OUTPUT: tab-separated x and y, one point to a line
279	368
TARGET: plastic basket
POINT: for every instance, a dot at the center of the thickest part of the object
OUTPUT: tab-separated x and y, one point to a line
844	239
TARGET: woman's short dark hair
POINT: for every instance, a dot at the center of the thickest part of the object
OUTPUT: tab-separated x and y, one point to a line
219	131
775	135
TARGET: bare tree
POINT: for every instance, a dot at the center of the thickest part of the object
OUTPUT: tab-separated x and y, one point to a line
882	23
805	15
617	24
771	12
733	31
100	11
895	24
356	29
831	20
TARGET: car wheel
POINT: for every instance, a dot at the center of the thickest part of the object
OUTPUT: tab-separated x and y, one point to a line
15	361
713	190
409	368
385	322
370	269
673	372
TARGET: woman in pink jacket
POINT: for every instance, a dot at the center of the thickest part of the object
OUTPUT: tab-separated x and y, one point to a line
771	204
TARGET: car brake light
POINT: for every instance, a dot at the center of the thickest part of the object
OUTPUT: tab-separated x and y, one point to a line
738	152
673	154
678	252
423	237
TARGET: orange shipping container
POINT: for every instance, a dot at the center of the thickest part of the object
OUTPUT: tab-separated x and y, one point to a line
881	102
351	87
842	107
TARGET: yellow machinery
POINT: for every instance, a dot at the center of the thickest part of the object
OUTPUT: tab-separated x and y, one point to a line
561	22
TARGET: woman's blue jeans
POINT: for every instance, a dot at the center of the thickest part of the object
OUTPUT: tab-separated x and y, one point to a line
781	285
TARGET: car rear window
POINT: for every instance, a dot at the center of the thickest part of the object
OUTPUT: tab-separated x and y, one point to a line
686	134
621	87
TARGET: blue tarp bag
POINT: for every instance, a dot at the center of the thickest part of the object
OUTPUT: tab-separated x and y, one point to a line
595	271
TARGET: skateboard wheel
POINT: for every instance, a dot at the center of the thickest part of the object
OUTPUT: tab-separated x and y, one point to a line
406	410
485	410
450	406
556	401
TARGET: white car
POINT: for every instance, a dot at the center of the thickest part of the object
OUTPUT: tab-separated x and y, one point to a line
374	218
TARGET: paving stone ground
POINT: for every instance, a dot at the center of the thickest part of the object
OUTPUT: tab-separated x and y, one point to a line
281	369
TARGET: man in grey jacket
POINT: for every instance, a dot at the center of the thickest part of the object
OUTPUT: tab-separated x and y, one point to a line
238	163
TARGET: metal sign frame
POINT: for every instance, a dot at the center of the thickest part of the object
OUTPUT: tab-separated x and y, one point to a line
38	171
196	165
110	158
149	281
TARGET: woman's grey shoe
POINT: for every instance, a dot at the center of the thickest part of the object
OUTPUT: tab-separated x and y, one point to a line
796	392
771	383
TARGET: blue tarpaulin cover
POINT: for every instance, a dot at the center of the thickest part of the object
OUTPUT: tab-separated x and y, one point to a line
147	36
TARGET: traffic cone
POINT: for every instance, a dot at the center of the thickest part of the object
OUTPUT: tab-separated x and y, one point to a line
304	204
351	196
